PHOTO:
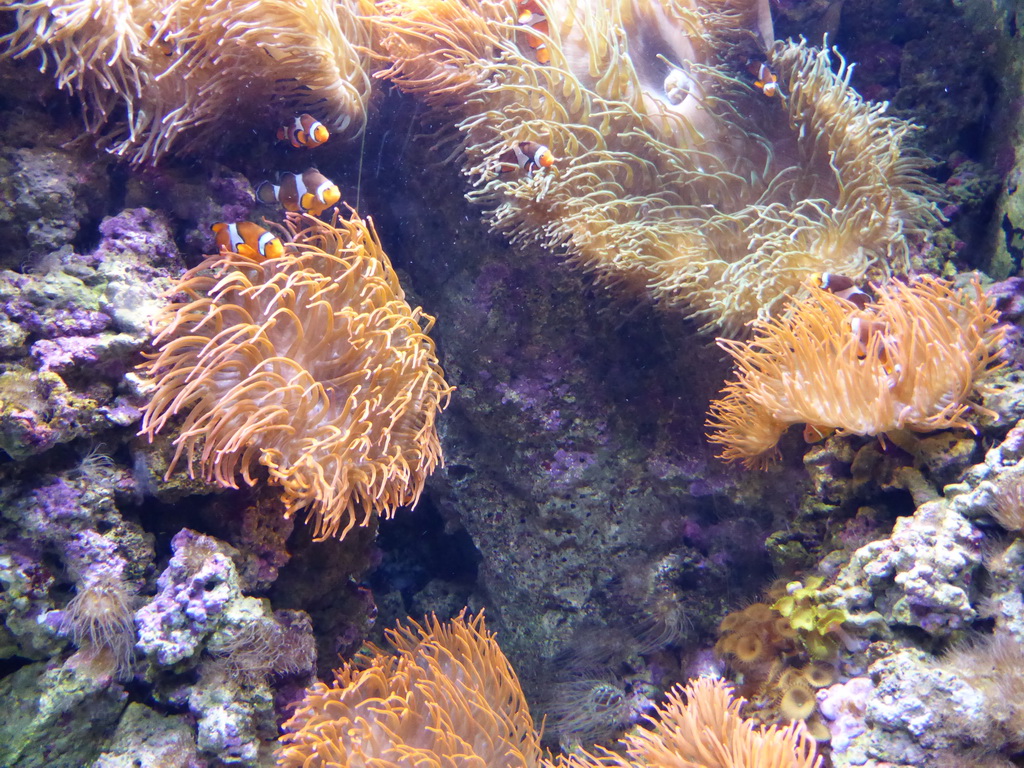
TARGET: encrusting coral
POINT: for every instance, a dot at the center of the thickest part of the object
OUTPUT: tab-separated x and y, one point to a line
450	697
908	360
312	365
675	176
163	75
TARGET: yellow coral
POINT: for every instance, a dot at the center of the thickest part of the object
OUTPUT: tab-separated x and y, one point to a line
312	365
448	698
909	360
173	74
676	177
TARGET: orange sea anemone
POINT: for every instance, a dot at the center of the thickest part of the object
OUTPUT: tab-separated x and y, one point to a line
699	726
676	178
909	360
447	697
312	366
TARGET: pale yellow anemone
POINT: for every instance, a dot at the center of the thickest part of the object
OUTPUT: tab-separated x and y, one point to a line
157	76
677	177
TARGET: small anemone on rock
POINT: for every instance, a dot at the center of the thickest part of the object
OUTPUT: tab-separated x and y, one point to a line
99	620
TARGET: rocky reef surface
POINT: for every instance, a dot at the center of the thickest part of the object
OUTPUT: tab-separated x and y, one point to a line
151	621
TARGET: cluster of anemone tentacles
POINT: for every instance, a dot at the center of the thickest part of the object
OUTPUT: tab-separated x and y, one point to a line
312	366
676	177
162	76
448	696
909	360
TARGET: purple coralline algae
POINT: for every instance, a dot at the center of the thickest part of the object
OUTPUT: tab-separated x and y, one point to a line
975	498
218	195
918	709
24	601
82	319
844	706
65	526
199	618
197	584
138	262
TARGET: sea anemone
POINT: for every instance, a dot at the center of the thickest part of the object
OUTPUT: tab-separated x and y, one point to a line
1008	510
676	178
994	668
174	74
592	711
909	360
447	697
700	726
99	619
311	365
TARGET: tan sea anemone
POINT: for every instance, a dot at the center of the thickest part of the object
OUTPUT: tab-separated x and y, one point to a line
448	697
311	365
700	726
169	75
909	360
676	177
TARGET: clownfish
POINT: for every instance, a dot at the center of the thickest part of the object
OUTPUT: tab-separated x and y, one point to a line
305	131
247	239
532	17
843	287
308	192
162	43
766	80
525	156
814	433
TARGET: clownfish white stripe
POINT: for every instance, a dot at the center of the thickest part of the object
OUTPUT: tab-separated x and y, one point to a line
234	238
322	190
265	239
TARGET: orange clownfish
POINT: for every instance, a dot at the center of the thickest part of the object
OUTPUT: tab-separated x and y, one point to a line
814	433
162	42
308	192
766	80
865	327
525	156
305	131
532	17
247	239
843	287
